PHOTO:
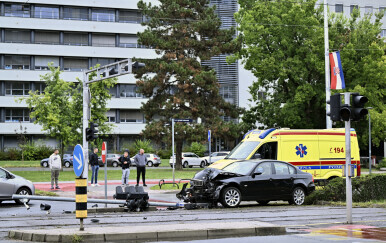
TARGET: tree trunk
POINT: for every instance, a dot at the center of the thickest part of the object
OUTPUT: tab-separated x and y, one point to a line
178	155
61	152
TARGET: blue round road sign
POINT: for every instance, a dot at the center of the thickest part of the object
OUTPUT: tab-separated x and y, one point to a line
78	161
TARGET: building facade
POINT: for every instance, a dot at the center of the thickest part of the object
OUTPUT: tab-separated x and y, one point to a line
76	35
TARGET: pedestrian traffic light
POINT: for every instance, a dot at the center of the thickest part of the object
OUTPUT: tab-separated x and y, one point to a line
357	108
335	103
91	132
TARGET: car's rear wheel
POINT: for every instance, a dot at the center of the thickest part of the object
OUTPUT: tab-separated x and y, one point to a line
185	164
156	165
150	164
67	164
115	164
231	197
263	203
298	196
23	191
45	164
202	165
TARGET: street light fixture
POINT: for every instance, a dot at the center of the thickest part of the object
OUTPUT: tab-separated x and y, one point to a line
369	108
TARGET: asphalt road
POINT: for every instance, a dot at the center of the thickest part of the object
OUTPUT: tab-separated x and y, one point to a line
301	222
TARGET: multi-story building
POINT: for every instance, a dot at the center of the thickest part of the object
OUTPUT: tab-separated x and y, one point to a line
76	35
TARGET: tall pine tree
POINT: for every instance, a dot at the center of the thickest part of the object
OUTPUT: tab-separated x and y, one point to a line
184	33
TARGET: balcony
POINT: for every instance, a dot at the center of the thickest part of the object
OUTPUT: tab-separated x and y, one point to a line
70	25
75	51
8	128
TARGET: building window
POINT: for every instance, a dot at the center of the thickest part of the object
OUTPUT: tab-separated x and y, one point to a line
128	41
382	9
113	91
101	61
45	12
383	33
41	62
369	9
129	90
17	10
39	88
131	116
103	15
47	37
75	39
71	13
339	8
127	16
352	7
17	115
17	88
75	64
228	94
110	116
17	36
16	62
103	40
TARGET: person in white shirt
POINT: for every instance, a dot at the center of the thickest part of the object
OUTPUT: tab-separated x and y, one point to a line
55	165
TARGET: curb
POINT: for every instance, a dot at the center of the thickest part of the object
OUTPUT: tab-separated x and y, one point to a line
148	233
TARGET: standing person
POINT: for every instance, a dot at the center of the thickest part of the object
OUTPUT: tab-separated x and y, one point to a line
94	167
125	163
55	165
140	160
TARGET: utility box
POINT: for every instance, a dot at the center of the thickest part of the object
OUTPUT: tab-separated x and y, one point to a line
351	171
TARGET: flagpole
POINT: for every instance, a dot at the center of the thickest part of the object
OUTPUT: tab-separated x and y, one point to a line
327	66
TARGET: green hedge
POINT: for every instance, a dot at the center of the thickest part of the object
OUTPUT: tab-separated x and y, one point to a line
365	188
30	151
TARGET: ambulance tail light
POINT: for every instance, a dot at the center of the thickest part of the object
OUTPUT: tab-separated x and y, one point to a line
358	169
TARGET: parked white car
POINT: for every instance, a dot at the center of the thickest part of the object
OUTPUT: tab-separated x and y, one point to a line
152	160
215	156
189	159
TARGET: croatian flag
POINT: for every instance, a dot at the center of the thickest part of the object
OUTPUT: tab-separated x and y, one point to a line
337	78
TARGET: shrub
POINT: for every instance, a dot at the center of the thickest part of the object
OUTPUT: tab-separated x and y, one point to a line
382	164
365	188
137	145
197	148
13	154
165	153
43	151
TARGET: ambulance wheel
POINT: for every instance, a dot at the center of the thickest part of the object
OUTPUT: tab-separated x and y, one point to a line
263	203
185	164
298	196
230	197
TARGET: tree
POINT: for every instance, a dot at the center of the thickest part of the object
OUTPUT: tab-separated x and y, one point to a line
22	139
184	33
283	47
59	108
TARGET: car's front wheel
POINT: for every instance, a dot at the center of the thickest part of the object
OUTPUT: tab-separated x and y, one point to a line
45	164
202	165
23	191
150	164
67	164
231	197
298	196
185	164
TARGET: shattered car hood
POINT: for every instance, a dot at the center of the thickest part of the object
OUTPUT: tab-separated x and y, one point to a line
214	174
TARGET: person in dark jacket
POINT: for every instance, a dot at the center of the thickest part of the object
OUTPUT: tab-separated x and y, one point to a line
140	160
125	163
94	167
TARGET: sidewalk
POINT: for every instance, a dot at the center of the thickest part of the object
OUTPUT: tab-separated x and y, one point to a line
191	231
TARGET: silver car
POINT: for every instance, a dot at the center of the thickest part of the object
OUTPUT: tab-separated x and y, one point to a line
13	184
152	160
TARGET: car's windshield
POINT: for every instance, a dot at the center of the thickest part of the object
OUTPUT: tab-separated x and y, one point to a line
242	168
242	150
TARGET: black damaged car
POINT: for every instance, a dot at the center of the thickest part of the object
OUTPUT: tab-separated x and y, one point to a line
251	180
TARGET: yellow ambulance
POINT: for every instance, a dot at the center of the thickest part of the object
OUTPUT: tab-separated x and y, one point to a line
318	152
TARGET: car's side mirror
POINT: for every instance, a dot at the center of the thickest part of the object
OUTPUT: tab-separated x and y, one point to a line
259	171
256	156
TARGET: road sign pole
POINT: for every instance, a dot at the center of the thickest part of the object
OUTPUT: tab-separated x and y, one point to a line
209	141
173	155
104	159
327	65
85	124
348	164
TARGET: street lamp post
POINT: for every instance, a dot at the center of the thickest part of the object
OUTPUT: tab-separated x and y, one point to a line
369	108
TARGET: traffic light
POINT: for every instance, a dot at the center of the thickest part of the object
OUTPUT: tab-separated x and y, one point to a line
135	66
91	132
335	103
357	108
112	71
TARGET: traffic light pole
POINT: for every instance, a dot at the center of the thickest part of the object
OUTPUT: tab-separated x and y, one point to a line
348	163
86	112
327	65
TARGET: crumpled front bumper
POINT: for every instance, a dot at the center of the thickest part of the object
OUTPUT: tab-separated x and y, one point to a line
200	194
